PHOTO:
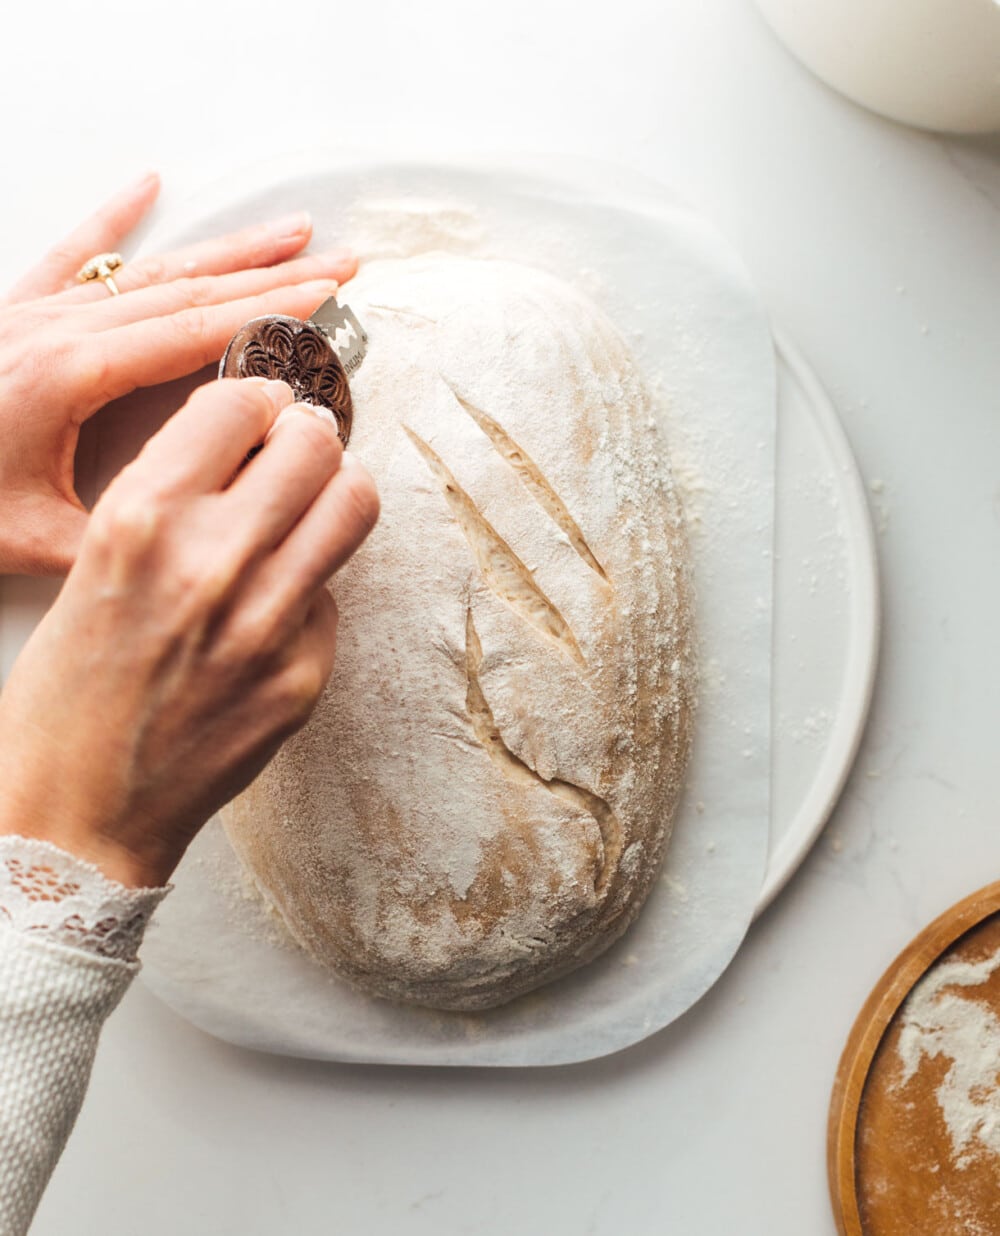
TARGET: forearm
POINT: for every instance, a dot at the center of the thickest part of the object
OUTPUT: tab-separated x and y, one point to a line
68	939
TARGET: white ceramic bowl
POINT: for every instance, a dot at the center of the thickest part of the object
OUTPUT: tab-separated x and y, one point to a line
931	63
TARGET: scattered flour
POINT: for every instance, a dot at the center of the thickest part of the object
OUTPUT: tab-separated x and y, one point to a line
938	1021
398	227
880	504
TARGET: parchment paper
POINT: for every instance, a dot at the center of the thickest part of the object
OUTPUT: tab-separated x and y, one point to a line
683	300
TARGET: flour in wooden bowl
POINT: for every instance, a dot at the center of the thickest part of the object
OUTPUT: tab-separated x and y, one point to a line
942	1018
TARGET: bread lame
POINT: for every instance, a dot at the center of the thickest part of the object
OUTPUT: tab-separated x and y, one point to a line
316	357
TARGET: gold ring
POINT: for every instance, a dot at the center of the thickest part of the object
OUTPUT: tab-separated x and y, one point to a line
102	266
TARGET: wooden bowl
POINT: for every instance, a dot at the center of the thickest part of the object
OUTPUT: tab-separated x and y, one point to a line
913	1145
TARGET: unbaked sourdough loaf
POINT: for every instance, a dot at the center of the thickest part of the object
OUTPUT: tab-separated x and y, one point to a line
481	800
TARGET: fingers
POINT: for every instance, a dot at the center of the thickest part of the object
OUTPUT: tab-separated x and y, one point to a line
110	364
104	230
302	452
309	656
320	632
264	244
200	448
163	299
327	535
284	611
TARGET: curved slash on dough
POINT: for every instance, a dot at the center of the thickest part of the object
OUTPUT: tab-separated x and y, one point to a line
485	729
501	568
532	478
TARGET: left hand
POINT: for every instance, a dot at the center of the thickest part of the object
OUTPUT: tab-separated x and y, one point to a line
67	349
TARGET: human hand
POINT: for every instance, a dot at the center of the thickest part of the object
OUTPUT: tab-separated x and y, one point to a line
67	349
193	634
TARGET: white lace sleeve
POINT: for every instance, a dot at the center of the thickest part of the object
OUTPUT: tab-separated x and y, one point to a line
68	943
56	896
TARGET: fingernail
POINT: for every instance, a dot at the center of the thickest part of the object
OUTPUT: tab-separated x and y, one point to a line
279	393
302	409
286	414
141	184
290	226
317	410
348	461
324	414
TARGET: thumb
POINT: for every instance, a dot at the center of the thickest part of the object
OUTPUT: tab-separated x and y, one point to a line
41	534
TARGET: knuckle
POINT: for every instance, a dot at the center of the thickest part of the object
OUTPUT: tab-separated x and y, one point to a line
189	292
128	519
326	602
198	292
63	256
300	685
93	369
217	581
323	620
195	292
290	667
361	503
259	638
201	582
192	332
150	270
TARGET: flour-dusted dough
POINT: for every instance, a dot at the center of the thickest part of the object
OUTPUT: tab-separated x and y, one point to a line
481	800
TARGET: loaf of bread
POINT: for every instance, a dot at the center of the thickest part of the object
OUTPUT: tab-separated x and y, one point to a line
482	799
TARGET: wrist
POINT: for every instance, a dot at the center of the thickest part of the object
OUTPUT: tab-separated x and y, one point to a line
79	812
47	821
113	863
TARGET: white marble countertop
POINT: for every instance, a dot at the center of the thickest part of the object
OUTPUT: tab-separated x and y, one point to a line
879	250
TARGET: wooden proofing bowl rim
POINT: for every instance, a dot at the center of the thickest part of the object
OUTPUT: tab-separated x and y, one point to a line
867	1033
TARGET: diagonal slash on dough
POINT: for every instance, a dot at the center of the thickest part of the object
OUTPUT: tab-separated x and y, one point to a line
485	729
532	478
501	568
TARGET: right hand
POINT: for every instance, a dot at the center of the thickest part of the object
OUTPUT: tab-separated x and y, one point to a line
194	633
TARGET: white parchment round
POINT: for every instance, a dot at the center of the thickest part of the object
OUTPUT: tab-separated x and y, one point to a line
685	304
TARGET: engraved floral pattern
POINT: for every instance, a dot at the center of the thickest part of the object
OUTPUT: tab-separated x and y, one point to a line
277	338
311	351
256	363
332	386
297	353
